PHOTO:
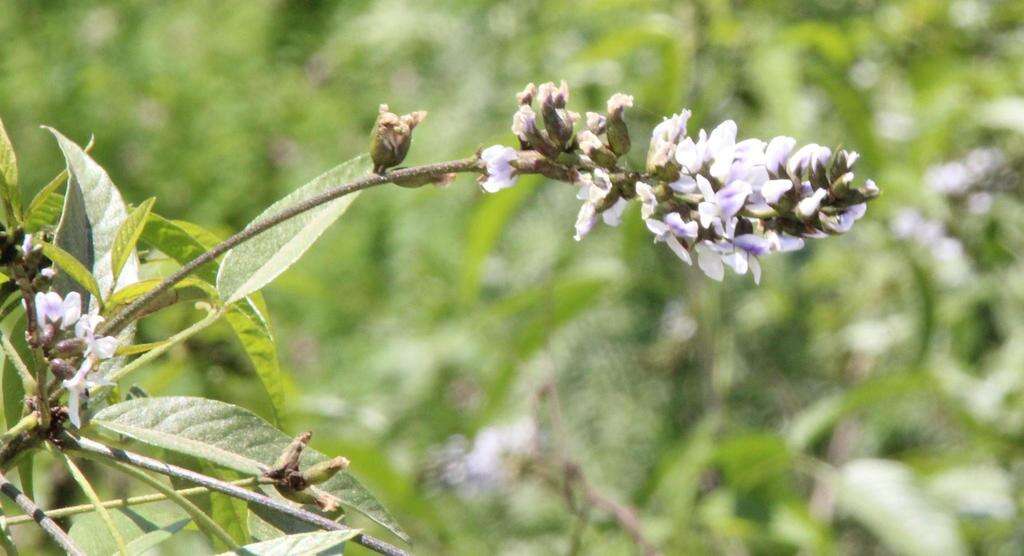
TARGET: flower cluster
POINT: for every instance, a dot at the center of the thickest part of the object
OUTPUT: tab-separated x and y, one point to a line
728	201
69	340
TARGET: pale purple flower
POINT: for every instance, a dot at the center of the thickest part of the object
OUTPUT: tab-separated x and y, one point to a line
524	123
667	230
586	219
777	153
671	130
648	200
809	205
498	162
48	272
101	347
773	190
709	259
722	205
811	157
746	250
78	389
612	216
27	244
843	222
52	308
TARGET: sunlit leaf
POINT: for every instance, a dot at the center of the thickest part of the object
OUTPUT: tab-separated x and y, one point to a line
9	178
255	263
142	527
323	542
228	436
93	213
72	268
171	239
253	331
128	235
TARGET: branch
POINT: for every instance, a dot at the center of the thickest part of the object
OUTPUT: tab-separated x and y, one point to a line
40	517
130	501
118	321
87	447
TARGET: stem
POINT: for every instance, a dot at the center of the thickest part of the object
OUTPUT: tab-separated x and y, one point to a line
118	321
48	524
90	493
132	501
26	423
87	447
205	522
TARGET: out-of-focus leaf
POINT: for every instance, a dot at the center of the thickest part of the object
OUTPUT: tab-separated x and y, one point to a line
1005	113
887	498
93	213
266	524
982	491
253	331
128	235
229	436
749	460
485	226
97	503
253	264
323	542
9	178
142	527
71	267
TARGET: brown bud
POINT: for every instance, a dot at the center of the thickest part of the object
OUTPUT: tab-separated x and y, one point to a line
391	137
289	458
618	133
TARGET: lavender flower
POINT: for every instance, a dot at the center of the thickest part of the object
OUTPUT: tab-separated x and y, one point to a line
500	174
52	308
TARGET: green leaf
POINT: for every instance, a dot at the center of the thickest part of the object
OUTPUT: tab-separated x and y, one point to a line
93	213
142	527
322	542
14	398
72	268
94	498
183	241
9	178
253	331
46	206
228	436
886	498
130	292
128	235
176	242
255	263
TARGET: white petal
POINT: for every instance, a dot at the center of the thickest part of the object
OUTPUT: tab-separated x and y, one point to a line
705	188
71	310
807	207
585	221
755	269
774	189
105	347
708	212
710	261
613	215
678	249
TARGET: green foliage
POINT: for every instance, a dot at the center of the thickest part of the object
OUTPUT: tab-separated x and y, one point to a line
252	265
228	436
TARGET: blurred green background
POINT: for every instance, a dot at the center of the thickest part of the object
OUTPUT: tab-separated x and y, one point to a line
867	398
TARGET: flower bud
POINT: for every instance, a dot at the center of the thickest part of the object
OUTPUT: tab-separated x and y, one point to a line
62	368
289	458
73	346
618	134
558	122
525	98
323	471
592	146
596	123
391	137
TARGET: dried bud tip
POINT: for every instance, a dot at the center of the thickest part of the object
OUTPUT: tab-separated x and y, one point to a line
414	119
596	123
289	459
526	97
619	102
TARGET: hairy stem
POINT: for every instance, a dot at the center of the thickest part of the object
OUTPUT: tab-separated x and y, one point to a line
88	447
46	522
118	321
130	501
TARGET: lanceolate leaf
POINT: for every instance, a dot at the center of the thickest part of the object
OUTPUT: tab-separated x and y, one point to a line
128	234
255	263
253	331
184	241
47	205
229	436
142	527
9	178
93	212
323	542
72	268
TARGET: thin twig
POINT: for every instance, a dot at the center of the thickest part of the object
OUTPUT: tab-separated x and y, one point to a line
569	473
86	446
39	516
118	321
67	511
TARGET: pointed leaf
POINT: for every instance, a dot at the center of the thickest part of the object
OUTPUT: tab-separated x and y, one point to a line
173	240
93	212
253	331
128	235
72	268
255	263
229	436
322	542
9	178
143	527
